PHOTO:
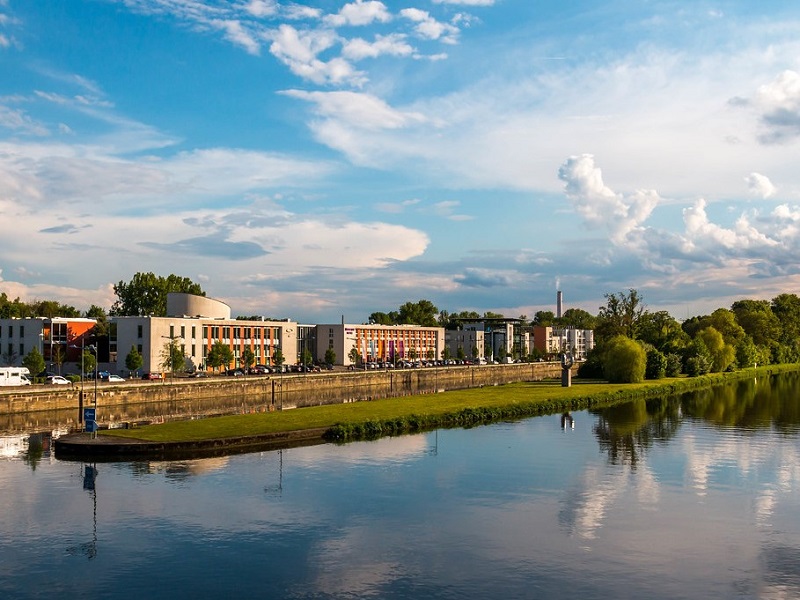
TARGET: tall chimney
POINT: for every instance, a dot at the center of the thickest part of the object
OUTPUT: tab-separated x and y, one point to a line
559	303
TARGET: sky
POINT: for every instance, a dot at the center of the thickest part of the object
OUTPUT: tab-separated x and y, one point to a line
329	159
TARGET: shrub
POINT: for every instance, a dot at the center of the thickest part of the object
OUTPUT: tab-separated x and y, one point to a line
656	365
625	361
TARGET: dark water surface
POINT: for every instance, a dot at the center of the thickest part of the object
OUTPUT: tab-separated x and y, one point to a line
690	497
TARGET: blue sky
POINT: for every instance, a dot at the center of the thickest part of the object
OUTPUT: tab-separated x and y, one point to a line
328	158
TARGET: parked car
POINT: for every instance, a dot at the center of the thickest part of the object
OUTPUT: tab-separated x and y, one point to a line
234	373
151	376
57	380
114	378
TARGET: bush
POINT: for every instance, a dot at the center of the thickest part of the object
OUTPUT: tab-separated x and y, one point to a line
656	365
625	361
673	365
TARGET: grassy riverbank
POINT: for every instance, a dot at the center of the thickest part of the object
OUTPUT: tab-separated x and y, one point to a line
393	416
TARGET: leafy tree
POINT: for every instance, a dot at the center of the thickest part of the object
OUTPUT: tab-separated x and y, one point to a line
460	353
544	318
662	331
219	355
88	361
354	355
620	315
758	321
382	318
624	360
412	354
786	307
9	357
656	367
330	356
248	358
698	360
133	360
34	361
446	353
443	320
673	366
277	357
307	358
475	352
722	353
422	313
146	294
578	318
173	358
747	353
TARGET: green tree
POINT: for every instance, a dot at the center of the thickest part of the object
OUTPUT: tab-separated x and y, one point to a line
133	360
786	307
307	358
656	365
34	361
423	313
758	321
662	331
146	294
620	315
219	355
624	360
460	353
277	357
354	355
248	358
173	358
577	318
446	353
57	356
88	361
330	356
544	318
382	318
475	352
698	360
722	353
493	315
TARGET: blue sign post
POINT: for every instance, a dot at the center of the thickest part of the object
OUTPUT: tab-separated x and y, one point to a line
88	419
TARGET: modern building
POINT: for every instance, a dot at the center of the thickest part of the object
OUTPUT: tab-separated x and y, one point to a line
379	343
58	339
554	340
196	323
502	337
468	342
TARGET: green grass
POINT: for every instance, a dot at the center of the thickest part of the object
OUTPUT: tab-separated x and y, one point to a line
413	413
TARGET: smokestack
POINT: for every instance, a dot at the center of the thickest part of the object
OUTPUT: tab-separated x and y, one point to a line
559	303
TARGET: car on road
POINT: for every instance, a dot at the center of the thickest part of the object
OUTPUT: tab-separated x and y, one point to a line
151	376
114	378
57	380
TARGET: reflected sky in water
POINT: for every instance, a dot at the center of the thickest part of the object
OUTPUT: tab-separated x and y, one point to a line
692	497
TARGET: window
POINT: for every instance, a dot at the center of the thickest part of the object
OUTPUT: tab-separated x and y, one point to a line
205	329
22	331
22	349
183	331
139	333
139	348
171	331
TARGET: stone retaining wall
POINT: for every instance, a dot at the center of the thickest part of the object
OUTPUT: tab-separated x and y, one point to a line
276	391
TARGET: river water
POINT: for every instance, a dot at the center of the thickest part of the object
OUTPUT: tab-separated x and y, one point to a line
695	496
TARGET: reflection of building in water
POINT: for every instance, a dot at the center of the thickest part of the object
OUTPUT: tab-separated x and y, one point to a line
567	422
183	469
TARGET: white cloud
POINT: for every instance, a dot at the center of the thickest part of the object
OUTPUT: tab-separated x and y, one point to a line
779	105
262	8
20	122
299	50
359	13
358	110
598	205
392	45
236	33
429	28
760	186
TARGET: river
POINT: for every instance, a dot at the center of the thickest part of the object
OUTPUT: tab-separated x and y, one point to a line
696	496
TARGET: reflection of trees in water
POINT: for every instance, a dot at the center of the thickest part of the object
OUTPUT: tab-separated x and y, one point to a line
38	445
749	404
627	430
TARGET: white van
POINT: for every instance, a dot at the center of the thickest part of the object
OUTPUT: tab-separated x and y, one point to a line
14	376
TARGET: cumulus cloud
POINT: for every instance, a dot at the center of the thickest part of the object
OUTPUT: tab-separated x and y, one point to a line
760	186
466	2
360	12
598	205
392	45
262	8
778	103
236	33
299	50
427	27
